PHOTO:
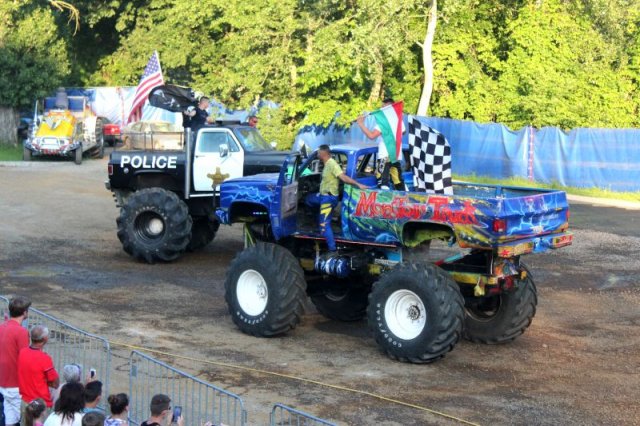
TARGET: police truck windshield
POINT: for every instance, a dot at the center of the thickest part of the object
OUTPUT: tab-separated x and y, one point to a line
252	140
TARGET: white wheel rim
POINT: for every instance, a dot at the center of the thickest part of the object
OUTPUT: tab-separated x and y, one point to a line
252	292
405	314
155	226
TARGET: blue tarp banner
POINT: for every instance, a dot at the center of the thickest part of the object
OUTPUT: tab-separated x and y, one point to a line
603	158
482	149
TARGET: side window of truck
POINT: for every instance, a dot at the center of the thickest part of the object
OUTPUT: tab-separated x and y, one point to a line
211	141
342	159
366	165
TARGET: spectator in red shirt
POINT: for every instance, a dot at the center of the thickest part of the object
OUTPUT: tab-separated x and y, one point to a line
36	373
13	338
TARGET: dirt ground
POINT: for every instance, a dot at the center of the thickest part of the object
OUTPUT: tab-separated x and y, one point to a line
578	363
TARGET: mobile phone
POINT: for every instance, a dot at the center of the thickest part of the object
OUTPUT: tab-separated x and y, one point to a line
177	412
92	373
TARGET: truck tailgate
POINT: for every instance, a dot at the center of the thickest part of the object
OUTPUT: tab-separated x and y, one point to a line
533	215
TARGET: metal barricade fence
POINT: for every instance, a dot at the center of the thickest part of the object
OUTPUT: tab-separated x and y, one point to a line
283	415
200	401
70	345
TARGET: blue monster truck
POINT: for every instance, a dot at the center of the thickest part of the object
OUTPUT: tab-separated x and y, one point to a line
417	307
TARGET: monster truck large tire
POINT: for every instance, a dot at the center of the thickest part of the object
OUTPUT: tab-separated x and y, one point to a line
203	232
265	290
501	318
77	155
347	304
416	313
154	225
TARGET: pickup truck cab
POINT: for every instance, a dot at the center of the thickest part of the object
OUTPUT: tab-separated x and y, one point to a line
417	306
166	196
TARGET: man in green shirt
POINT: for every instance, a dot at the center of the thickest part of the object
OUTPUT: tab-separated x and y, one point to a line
327	198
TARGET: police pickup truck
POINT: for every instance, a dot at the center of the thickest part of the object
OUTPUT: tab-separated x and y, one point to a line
166	196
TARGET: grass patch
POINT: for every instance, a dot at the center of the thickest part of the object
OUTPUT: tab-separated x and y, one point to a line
10	152
586	192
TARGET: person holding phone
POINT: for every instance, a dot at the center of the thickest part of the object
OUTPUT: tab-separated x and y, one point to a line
160	408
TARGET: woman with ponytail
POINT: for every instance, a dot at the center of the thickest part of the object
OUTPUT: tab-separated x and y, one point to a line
119	405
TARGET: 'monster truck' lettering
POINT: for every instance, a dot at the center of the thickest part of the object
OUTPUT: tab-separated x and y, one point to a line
398	208
442	212
401	208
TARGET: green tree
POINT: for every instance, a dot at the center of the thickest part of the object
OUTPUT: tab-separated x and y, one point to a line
33	59
560	72
541	62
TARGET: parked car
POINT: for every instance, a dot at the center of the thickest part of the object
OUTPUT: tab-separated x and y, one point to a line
112	133
152	135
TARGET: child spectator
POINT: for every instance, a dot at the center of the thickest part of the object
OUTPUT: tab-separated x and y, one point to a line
119	406
34	412
93	419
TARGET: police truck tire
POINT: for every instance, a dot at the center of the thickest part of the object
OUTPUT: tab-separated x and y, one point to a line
416	313
501	318
78	155
265	290
154	225
26	154
203	232
348	304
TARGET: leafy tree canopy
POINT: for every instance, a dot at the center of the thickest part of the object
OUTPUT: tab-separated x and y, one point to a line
564	63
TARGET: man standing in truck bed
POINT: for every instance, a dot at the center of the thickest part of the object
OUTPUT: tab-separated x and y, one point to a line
199	116
388	163
327	198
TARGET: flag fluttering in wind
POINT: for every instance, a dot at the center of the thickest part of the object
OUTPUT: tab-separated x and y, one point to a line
430	156
151	78
389	121
172	98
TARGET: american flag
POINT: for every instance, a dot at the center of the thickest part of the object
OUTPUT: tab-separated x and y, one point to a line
151	78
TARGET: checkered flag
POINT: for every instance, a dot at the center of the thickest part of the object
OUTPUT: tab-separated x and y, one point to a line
430	159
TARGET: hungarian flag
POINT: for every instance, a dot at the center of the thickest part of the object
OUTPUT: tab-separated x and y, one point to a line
389	121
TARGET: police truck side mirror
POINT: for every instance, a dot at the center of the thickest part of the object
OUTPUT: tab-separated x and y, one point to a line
224	150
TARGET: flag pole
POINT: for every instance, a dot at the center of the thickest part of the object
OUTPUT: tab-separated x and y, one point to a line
159	64
366	114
